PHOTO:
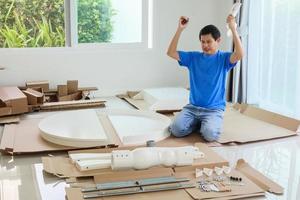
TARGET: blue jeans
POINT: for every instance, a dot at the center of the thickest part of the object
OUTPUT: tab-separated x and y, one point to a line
208	122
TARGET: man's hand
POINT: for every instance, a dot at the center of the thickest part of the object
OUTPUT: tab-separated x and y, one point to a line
183	22
231	22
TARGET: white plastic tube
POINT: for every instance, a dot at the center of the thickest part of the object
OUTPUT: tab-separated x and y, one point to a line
234	11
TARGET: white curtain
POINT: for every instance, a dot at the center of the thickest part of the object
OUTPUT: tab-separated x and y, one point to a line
273	71
239	86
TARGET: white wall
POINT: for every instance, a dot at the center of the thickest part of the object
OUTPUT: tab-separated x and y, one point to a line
121	69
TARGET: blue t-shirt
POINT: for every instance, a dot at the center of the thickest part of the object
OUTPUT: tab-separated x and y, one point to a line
207	77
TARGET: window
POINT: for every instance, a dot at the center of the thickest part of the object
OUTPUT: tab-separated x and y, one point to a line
59	23
273	55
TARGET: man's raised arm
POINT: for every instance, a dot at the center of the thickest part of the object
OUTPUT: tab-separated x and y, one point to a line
238	48
172	50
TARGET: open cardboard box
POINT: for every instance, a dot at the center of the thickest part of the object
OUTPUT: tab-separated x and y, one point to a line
14	135
38	84
25	137
242	123
34	96
12	101
256	184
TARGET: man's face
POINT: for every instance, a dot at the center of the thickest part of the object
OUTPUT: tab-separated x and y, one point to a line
209	44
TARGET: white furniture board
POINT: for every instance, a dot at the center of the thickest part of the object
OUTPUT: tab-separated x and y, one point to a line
137	127
80	128
169	98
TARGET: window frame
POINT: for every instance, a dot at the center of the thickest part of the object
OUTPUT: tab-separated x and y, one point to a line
71	32
72	37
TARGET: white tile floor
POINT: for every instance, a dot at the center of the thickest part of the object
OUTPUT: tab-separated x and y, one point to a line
22	178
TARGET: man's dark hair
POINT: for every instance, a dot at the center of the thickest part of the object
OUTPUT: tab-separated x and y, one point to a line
210	29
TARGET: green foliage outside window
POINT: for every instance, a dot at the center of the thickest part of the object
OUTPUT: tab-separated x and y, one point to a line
41	23
95	21
32	23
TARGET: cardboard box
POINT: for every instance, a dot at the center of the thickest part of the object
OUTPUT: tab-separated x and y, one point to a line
24	137
34	97
72	86
62	90
71	97
13	101
242	123
9	119
38	84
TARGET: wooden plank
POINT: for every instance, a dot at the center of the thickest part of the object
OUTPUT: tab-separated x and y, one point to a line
9	119
72	104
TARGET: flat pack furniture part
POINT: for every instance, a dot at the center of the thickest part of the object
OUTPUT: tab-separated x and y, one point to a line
72	86
34	97
136	128
25	137
139	158
82	128
10	119
244	123
27	130
147	157
138	190
38	84
140	104
62	90
145	177
254	183
162	99
12	101
89	156
64	167
71	97
253	186
135	183
65	105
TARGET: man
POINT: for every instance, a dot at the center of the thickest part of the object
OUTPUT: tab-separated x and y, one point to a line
207	71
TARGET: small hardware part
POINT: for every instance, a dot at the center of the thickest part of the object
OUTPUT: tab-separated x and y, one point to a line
150	143
218	170
208	187
199	172
207	171
233	178
222	187
219	178
226	169
234	183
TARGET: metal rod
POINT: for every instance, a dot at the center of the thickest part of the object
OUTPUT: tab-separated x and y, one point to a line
135	183
126	191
